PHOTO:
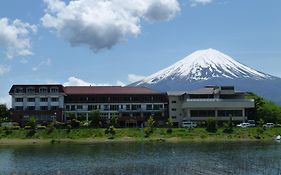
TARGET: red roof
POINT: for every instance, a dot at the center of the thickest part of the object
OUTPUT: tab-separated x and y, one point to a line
108	90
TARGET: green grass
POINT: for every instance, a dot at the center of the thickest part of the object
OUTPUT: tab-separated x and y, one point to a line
136	134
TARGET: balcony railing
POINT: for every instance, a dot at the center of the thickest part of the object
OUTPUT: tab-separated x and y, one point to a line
218	100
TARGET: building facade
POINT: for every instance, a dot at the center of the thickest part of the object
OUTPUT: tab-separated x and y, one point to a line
218	102
45	102
132	105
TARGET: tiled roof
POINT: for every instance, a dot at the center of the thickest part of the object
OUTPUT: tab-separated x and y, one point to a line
36	86
72	90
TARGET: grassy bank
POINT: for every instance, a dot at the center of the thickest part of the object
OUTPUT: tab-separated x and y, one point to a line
90	135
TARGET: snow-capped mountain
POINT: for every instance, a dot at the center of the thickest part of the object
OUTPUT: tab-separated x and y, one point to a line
211	67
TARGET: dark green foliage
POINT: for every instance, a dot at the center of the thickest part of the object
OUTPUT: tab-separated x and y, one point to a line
113	121
229	126
74	123
169	124
150	126
110	131
260	129
95	119
264	109
211	125
32	124
4	113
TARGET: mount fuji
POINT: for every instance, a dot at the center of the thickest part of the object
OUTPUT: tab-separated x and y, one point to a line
211	67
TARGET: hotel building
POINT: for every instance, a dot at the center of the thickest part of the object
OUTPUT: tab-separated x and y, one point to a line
219	102
132	105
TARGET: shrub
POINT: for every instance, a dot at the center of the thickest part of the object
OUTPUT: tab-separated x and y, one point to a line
74	123
41	127
68	128
211	125
229	126
150	126
27	127
111	131
95	119
169	124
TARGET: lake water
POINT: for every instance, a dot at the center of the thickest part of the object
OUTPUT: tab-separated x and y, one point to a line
148	158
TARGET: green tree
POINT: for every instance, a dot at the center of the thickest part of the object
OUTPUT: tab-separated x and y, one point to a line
110	130
95	119
150	126
211	125
169	124
229	126
4	113
32	123
113	121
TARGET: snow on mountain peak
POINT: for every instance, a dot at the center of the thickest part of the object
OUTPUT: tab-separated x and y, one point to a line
204	65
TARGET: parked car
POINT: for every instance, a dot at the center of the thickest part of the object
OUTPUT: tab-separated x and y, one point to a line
269	125
244	125
189	124
252	123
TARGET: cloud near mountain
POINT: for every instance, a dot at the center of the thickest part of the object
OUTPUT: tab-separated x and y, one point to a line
100	24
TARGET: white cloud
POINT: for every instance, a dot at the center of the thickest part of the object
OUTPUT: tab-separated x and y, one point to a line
14	37
194	3
101	24
46	62
73	81
133	77
4	69
6	100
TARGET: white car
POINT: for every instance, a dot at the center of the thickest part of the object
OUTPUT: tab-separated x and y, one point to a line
244	125
189	124
269	125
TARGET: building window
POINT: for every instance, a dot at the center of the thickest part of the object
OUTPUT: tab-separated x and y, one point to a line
228	113
92	107
19	90
67	107
174	109
54	90
128	107
30	90
31	108
19	107
19	99
114	107
136	107
43	90
148	107
79	107
43	108
105	107
54	107
43	99
157	107
174	117
174	101
202	113
72	108
54	99
30	99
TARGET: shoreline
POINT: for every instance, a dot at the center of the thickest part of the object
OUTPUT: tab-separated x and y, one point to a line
121	140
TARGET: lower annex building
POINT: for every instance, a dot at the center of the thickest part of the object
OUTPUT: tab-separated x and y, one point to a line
132	105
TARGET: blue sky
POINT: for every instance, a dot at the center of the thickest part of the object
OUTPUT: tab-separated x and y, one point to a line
118	43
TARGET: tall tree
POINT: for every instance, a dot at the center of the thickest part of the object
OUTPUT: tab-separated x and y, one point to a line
4	112
95	118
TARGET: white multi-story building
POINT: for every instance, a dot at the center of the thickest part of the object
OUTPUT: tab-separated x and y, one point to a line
218	102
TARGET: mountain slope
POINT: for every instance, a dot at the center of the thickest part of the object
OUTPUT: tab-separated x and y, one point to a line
211	67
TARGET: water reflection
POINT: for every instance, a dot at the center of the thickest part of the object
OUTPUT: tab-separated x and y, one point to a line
148	158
